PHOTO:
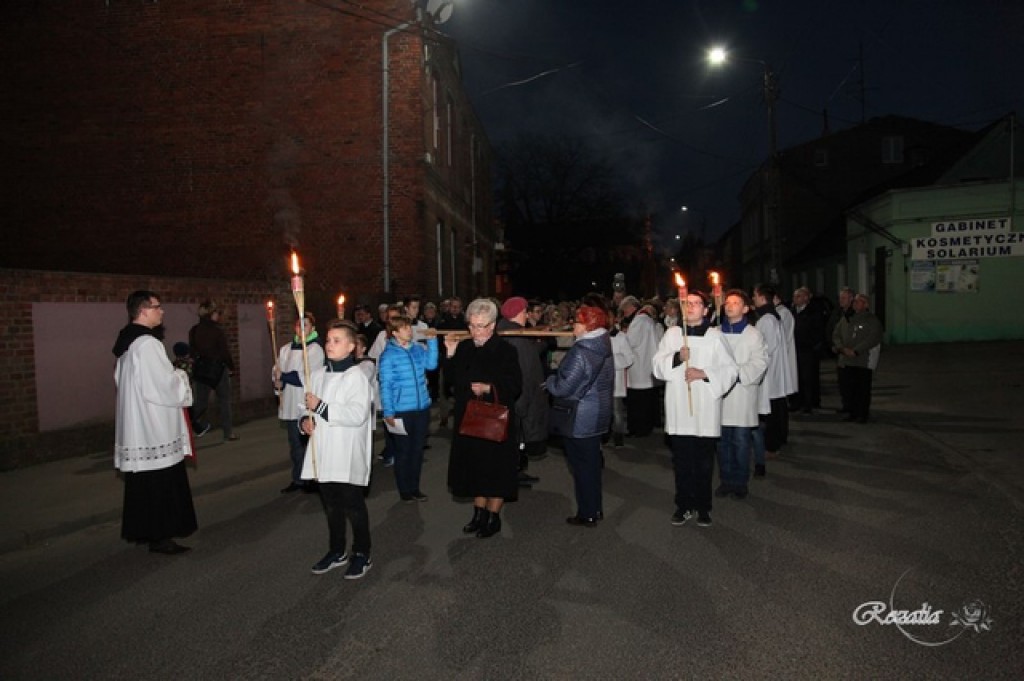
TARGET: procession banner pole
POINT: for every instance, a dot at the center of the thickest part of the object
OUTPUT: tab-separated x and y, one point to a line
681	287
299	293
273	343
716	293
432	333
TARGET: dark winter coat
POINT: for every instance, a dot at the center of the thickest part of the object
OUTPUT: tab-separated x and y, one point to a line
480	468
208	340
532	405
587	373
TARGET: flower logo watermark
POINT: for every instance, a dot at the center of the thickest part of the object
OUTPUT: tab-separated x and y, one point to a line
972	615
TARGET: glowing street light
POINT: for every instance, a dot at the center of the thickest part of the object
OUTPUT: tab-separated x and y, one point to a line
716	56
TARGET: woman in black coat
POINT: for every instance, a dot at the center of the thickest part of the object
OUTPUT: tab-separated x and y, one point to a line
483	366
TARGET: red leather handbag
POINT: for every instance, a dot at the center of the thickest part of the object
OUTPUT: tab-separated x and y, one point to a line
485	420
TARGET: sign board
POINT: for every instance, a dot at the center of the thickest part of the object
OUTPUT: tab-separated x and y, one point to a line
974	238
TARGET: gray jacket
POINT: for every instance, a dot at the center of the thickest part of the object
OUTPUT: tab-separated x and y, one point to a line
860	332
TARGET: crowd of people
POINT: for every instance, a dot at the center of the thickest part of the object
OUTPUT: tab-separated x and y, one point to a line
719	379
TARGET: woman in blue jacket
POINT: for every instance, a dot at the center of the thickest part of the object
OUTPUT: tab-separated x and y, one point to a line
404	395
587	374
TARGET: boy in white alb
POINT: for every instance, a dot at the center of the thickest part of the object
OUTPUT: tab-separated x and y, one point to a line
739	406
338	455
698	371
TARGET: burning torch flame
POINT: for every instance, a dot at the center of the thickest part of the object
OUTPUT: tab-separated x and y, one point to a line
714	278
680	282
295	262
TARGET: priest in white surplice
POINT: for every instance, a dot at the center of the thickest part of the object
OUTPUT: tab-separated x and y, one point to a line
151	438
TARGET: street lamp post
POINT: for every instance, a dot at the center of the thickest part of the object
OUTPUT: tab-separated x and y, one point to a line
770	193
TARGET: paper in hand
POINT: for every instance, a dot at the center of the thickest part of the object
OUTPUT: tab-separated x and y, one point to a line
398	428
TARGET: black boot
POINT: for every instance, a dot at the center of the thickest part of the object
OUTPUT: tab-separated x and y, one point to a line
476	522
491	525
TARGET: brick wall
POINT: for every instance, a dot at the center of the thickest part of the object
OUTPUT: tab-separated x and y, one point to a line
206	138
21	441
218	133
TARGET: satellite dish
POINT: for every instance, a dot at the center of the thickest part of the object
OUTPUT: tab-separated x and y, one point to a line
440	10
445	13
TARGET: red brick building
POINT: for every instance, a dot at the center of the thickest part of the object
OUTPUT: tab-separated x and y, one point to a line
201	139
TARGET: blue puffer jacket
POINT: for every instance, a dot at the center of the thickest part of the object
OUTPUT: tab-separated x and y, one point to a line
402	374
588	363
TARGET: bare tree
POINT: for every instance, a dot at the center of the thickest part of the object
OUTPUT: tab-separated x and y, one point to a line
564	205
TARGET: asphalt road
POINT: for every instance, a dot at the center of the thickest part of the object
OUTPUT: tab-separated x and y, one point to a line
920	510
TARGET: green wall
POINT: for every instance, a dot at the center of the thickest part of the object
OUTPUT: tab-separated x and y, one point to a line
994	312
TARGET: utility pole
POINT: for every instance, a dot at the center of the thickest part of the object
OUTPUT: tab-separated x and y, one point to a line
771	189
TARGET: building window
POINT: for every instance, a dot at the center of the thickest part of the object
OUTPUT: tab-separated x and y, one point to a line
892	149
821	158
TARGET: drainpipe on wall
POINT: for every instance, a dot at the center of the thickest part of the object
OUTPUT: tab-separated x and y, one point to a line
385	151
472	204
1013	174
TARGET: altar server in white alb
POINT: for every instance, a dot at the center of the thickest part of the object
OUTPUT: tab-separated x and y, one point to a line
340	444
698	370
151	434
288	375
740	405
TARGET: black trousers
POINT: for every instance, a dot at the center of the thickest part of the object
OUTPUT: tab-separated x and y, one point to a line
584	458
693	461
860	379
844	387
808	378
344	503
641	410
776	425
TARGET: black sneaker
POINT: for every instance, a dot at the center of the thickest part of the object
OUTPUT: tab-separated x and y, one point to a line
759	471
203	430
703	519
329	562
723	491
419	496
361	564
740	493
679	518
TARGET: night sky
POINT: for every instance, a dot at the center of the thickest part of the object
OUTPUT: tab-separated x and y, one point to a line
631	79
